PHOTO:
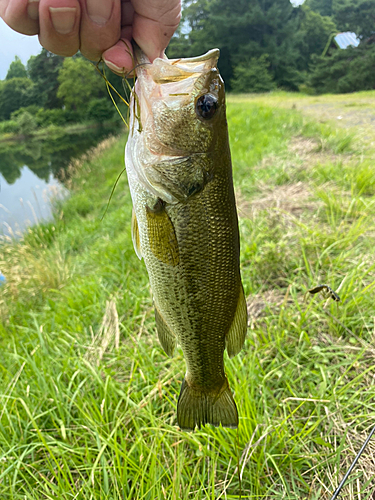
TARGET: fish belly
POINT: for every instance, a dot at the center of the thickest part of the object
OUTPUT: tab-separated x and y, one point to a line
191	252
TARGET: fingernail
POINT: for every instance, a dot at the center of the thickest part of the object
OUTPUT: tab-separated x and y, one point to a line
114	68
63	19
33	9
99	11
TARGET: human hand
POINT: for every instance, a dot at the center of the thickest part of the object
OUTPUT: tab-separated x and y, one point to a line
98	28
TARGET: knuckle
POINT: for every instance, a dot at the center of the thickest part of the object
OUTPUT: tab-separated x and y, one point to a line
90	55
60	49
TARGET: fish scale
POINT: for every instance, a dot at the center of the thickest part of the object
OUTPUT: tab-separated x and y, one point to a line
186	228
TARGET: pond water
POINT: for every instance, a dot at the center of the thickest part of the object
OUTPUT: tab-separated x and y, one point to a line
27	201
32	173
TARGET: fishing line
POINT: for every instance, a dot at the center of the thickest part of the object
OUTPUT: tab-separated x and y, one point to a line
113	190
340	486
333	295
110	86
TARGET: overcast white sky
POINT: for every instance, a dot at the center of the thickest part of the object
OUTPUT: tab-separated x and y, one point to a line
14	44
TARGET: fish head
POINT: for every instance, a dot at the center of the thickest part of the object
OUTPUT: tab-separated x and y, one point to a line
179	102
176	112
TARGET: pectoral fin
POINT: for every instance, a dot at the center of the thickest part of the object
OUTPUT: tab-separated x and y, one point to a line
166	336
161	235
135	236
235	337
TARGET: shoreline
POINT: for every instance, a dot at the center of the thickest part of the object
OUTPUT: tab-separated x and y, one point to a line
44	132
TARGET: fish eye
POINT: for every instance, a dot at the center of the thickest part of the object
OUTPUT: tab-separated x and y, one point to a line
206	106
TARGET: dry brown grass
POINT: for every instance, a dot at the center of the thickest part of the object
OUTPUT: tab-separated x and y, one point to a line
109	332
345	435
270	300
33	272
292	198
295	197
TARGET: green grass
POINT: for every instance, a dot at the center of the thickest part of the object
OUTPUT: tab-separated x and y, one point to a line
88	397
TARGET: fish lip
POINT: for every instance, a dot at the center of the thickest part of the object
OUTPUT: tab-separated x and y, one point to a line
211	54
142	61
163	70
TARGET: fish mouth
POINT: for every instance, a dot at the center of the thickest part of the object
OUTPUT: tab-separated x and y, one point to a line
173	81
165	71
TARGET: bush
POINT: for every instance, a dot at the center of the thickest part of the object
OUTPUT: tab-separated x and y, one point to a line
26	123
9	127
305	89
349	70
13	95
32	109
46	117
253	77
100	110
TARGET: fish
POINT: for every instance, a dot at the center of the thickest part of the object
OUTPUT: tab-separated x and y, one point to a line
185	225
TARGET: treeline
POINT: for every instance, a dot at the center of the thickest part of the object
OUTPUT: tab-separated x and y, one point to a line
52	90
268	44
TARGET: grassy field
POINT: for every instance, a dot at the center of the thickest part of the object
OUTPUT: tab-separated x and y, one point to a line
88	397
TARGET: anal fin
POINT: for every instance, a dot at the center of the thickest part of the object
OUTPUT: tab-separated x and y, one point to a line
235	337
166	337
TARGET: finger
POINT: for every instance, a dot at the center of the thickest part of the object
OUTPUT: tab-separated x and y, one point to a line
127	13
119	58
59	22
100	26
154	23
21	15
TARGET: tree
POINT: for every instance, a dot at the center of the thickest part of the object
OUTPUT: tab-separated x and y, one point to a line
100	110
313	34
357	16
348	70
43	70
79	83
16	69
14	94
253	77
27	123
322	7
243	30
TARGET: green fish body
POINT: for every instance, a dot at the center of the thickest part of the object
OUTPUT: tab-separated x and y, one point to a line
185	225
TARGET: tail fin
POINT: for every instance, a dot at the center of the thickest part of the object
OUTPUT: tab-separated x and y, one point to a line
196	408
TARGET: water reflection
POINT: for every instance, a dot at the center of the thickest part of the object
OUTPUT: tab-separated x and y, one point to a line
33	170
27	201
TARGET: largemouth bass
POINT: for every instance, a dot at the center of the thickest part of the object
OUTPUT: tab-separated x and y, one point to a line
185	225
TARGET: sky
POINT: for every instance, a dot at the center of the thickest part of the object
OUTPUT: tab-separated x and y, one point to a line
14	44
